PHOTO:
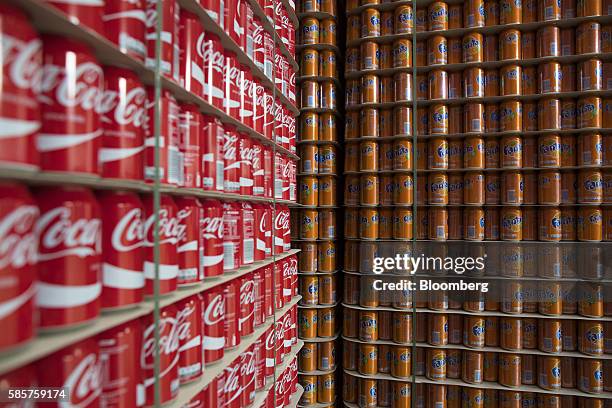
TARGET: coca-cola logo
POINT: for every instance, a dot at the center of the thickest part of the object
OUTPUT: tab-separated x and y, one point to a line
128	234
229	146
282	220
181	216
215	311
184	324
258	32
18	242
22	61
248	364
84	382
256	157
271	340
81	88
212	227
247	154
247	292
128	110
168	228
263	224
232	383
168	341
206	50
60	235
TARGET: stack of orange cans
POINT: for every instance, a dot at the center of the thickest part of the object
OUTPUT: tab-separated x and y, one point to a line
314	223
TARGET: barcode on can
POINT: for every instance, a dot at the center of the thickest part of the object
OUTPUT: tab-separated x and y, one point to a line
249	250
228	255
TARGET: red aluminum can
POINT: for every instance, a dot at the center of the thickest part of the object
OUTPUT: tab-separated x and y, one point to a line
168	158
189	327
125	24
213	317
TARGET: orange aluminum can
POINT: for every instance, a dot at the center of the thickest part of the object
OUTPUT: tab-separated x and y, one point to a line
473	83
327	190
352	189
351	157
421	20
455	223
327	127
455	154
455	121
386	23
403	189
386	56
385	357
402	86
568	41
402	53
309	382
351	289
422	87
510	331
453	363
473	188
490	48
512	187
402	154
308	323
368	225
368	359
492	222
437	85
354	27
327	31
404	19
549	373
490	367
492	82
591	337
530	224
422	121
549	10
474	14
589	8
589	112
402	362
588	37
438	119
530	11
473	47
455	188
472	367
402	327
436	364
589	224
491	153
307	360
492	188
369	194
307	258
550	336
387	89
550	299
474	153
473	118
437	50
438	224
568	72
590	375
590	186
386	123
528	369
309	290
590	149
350	323
352	125
568	150
326	322
549	189
309	190
437	14
353	57
528	81
455	81
455	16
308	154
326	159
509	369
530	333
386	153
368	393
370	89
309	62
491	13
528	46
568	114
368	156
510	45
455	328
349	389
401	394
474	221
402	121
455	50
510	399
368	325
326	253
310	31
370	56
370	23
568	187
402	223
510	116
530	152
387	189
549	114
590	75
310	94
326	388
510	12
438	188
510	77
511	152
568	224
511	224
369	122
351	223
327	224
309	126
473	331
549	43
421	54
549	75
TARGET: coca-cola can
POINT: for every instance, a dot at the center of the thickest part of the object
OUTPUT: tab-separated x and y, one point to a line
168	379
257	165
122	384
233	384
268	106
263	231
270	345
280	341
279	300
248	31
232	236
279	174
169	56
21	73
82	12
190	133
168	231
247	305
287	333
287	276
211	149
124	116
248	361
259	52
248	233
231	292
189	245
238	29
169	166
191	62
293	267
211	230
292	180
269	290
268	172
231	86
125	24
258	97
282	232
269	55
70	136
246	96
122	249
245	153
213	319
260	362
213	60
231	164
215	10
259	315
69	252
77	368
18	255
190	338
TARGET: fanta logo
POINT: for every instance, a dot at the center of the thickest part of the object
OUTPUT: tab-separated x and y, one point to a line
375	21
550	146
512	74
513	221
471	43
510	150
595	184
438	363
368	323
310	28
511	38
595	218
556	372
405	18
478	330
556	222
442	48
442	151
